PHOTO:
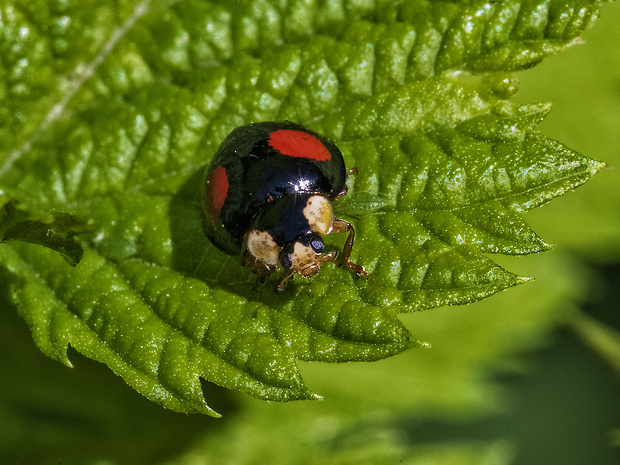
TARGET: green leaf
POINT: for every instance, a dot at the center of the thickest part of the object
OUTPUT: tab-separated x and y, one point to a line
586	116
54	230
120	128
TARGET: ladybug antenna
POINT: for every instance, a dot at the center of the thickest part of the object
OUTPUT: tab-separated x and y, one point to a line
286	278
320	259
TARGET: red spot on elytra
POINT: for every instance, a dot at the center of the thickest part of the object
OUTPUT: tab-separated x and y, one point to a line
298	144
216	191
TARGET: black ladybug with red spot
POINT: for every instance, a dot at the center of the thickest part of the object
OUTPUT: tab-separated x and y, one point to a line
268	195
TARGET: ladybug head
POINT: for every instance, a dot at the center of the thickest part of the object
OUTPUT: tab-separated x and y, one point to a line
287	236
305	256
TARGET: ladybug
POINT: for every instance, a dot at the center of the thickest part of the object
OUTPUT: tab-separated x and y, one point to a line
267	196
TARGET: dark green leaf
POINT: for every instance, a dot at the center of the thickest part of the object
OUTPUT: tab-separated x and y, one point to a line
56	231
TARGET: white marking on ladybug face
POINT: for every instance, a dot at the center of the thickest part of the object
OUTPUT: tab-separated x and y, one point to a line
263	247
320	214
305	260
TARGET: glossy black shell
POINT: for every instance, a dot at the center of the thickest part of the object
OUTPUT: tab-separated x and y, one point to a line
258	174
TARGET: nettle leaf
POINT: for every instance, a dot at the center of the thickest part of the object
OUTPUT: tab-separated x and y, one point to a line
113	117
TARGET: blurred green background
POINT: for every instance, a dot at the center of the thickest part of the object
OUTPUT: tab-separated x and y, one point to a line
524	377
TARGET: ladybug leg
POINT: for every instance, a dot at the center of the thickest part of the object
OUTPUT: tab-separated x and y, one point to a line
342	193
286	278
340	226
257	267
346	188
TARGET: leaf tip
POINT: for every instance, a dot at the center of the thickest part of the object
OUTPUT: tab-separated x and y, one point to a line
64	359
307	394
302	393
546	246
415	343
576	41
203	408
212	413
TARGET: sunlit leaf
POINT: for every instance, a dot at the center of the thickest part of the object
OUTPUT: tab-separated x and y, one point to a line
112	112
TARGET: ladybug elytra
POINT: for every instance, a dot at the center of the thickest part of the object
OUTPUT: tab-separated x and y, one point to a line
267	195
